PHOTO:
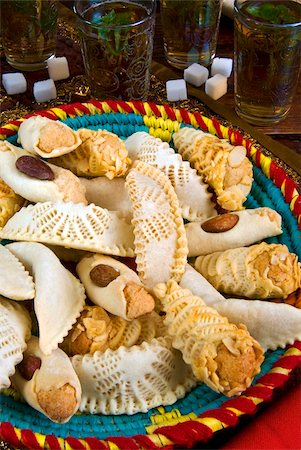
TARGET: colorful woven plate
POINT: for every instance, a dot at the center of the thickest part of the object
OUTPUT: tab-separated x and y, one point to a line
202	412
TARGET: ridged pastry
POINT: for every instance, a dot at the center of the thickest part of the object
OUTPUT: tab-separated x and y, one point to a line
194	199
72	225
15	281
223	166
131	380
109	194
101	153
10	202
65	186
59	296
15	331
259	271
48	383
221	354
47	138
114	286
158	226
232	230
96	331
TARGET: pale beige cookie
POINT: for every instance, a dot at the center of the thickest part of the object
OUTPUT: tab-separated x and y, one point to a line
10	202
36	180
232	230
48	383
72	225
59	296
194	199
15	281
259	271
114	286
221	354
132	380
15	331
101	153
223	166
47	138
109	194
160	239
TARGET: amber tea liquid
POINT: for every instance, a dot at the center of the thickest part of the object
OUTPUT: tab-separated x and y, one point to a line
267	59
28	31
117	46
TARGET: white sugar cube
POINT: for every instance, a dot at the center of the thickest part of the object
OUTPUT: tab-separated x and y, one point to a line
44	91
14	83
216	86
223	66
196	74
58	68
176	90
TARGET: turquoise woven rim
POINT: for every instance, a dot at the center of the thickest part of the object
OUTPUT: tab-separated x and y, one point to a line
200	399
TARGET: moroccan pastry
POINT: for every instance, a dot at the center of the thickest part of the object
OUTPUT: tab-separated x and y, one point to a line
131	380
10	202
114	286
223	166
231	230
194	199
72	225
48	383
101	153
221	354
47	138
15	331
15	281
158	226
259	271
59	296
109	194
36	180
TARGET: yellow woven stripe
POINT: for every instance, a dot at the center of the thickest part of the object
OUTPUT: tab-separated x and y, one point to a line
293	351
92	108
112	446
151	428
107	109
212	423
281	370
159	440
59	113
41	439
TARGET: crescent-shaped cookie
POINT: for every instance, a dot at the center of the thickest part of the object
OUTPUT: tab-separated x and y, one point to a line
15	331
47	138
232	230
15	281
158	226
59	296
48	383
72	225
114	286
64	186
134	379
10	202
194	199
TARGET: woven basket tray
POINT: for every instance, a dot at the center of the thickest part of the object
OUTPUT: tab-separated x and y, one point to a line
202	413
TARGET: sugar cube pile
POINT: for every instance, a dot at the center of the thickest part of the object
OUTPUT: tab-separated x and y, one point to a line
58	68
196	74
44	91
176	90
14	83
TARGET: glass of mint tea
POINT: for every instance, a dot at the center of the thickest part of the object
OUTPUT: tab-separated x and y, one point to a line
267	54
117	45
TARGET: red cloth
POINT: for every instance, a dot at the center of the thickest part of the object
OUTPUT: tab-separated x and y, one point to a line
277	427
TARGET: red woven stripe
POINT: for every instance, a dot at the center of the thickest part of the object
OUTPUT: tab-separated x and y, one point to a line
29	440
113	105
146	442
186	434
297	206
273	379
74	107
217	127
296	344
127	108
123	442
97	104
200	121
139	106
154	109
96	444
243	404
45	113
224	415
185	116
264	393
257	158
289	190
279	176
238	138
7	131
288	362
8	434
53	442
75	443
170	112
